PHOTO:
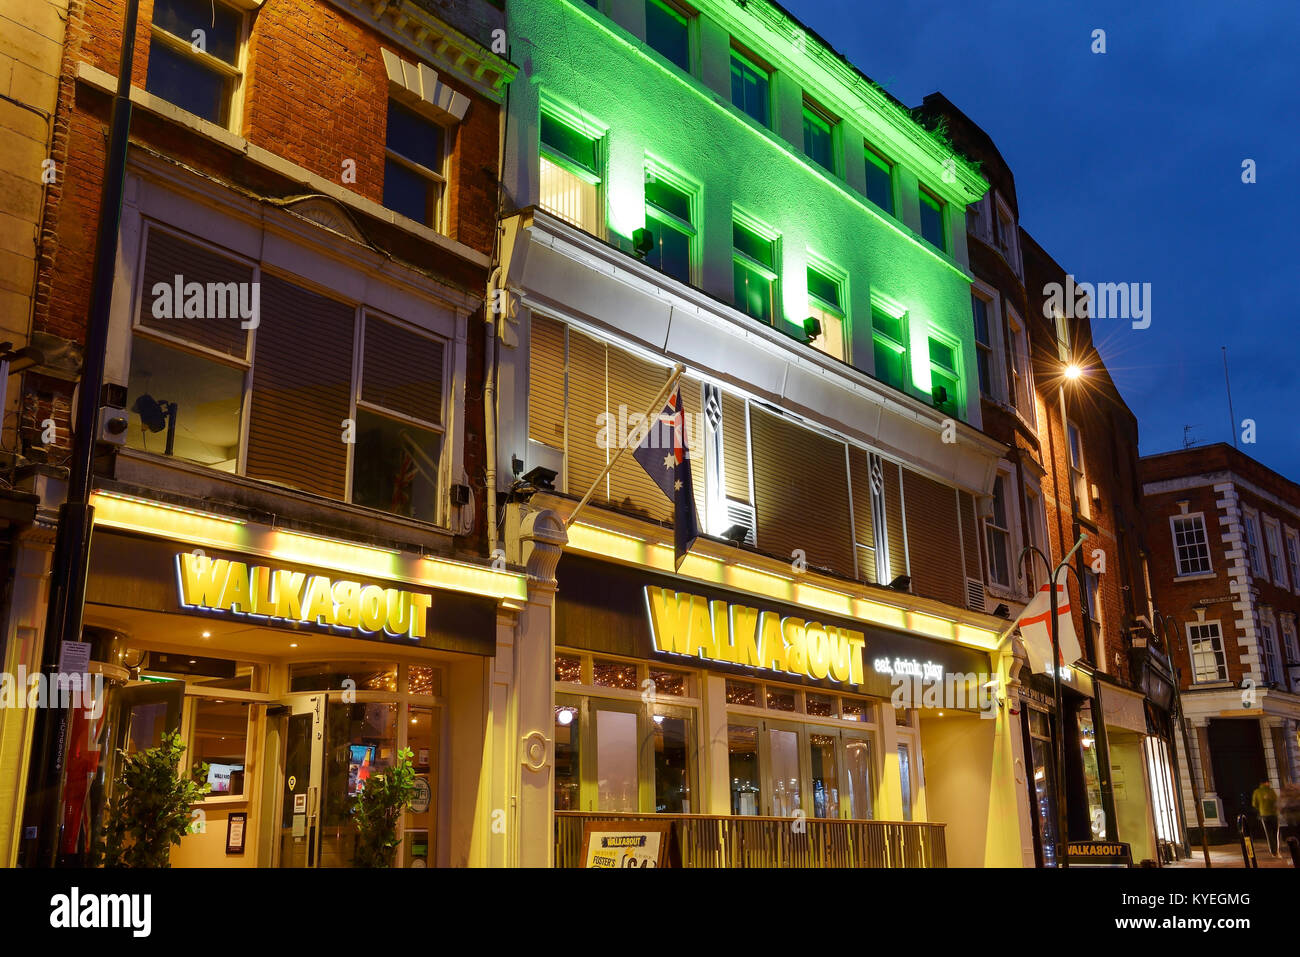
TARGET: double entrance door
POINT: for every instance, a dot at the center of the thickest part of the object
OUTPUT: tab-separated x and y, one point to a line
777	768
331	745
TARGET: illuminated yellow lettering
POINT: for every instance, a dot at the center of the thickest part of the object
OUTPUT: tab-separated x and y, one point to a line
664	620
203	580
796	644
318	601
841	654
374	608
819	650
856	643
347	604
726	651
744	634
419	605
399	612
288	594
702	642
235	594
769	628
260	585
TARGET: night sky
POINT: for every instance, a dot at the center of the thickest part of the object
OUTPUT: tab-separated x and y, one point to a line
1128	168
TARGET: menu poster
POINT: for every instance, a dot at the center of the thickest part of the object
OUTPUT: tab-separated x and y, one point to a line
235	824
610	844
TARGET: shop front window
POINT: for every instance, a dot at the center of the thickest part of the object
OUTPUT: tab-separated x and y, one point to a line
825	775
905	779
220	738
616	761
672	764
742	766
857	760
783	746
568	779
1091	774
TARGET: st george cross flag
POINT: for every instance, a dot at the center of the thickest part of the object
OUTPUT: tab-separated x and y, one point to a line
665	456
1036	630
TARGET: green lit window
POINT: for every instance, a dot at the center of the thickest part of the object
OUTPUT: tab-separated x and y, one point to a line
667	32
669	219
825	304
200	78
413	177
983	345
754	261
945	381
890	346
880	181
569	175
749	87
932	219
817	138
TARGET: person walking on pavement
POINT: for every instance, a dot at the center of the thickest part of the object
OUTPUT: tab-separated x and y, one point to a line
1264	801
1288	815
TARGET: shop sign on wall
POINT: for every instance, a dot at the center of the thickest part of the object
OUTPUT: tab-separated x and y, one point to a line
279	594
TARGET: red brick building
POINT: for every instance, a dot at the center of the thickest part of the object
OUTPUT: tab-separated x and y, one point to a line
294	376
1225	569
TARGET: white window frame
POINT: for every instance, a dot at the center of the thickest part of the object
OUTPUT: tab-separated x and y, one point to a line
1293	556
237	72
1221	656
1014	587
841	312
658	170
1018	333
1270	653
1036	533
570	166
1078	471
997	374
1173	537
1252	540
1009	242
435	176
1274	553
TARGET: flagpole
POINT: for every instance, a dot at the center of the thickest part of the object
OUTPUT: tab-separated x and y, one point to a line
655	408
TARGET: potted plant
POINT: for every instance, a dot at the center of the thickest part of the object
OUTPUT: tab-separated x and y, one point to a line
378	810
150	809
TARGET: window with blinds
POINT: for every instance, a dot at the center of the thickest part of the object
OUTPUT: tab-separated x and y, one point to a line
863	514
801	492
932	539
194	293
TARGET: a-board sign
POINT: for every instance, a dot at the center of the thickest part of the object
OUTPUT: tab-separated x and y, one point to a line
1099	854
628	844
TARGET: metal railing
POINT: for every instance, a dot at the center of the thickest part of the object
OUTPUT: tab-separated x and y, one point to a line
710	840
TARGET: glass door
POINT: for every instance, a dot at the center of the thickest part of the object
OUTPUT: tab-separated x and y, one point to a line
857	793
304	741
615	756
786	774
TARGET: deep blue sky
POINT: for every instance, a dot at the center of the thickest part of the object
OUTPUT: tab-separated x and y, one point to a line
1128	169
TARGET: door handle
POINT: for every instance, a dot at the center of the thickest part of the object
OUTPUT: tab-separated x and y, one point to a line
311	825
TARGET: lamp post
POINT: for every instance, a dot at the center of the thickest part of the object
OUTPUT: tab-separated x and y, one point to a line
1058	737
1162	623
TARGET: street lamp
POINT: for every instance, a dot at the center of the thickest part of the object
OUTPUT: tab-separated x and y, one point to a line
1058	737
1162	623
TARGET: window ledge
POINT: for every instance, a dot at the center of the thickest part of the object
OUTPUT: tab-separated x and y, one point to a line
222	800
1199	576
107	83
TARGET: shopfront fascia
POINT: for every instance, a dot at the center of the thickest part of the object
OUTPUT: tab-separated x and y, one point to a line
295	666
691	694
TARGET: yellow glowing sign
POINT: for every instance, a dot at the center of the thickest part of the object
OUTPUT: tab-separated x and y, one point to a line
278	594
685	624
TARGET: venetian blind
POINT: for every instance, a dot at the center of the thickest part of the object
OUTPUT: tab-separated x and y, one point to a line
932	539
894	520
402	370
801	492
864	536
546	382
735	448
302	381
970	536
633	384
168	257
584	458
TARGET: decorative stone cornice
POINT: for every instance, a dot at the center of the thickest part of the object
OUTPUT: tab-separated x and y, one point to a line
419	31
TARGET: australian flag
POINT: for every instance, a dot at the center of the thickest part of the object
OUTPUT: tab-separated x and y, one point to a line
664	455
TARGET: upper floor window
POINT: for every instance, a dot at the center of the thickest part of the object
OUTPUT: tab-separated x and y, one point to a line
945	379
669	216
1250	520
932	228
754	268
1022	373
880	180
1036	533
1273	539
194	57
1078	476
889	340
414	159
818	136
201	388
750	85
1205	643
983	342
1268	648
997	533
826	305
667	30
1293	555
569	180
1191	544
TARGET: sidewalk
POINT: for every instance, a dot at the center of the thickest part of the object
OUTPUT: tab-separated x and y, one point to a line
1229	855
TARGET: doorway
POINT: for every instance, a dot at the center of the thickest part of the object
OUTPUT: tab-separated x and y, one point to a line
1237	759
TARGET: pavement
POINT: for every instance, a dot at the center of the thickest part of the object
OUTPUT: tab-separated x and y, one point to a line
1229	855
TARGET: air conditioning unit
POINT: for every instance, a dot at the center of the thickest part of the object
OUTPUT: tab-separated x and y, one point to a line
742	513
974	594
